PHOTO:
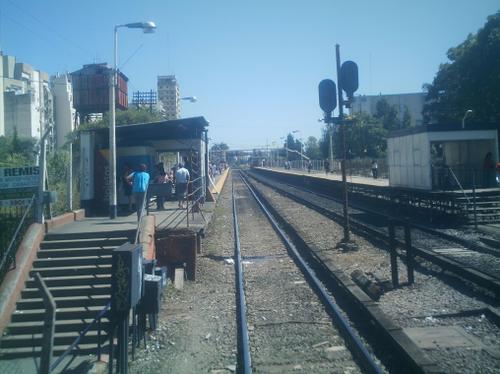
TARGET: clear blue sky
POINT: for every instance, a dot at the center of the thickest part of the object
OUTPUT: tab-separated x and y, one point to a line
255	64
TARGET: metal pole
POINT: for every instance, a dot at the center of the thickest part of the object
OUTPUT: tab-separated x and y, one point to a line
112	133
347	237
41	186
330	135
409	254
70	177
474	197
393	254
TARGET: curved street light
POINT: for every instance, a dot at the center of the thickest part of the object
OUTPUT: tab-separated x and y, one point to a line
148	28
467	113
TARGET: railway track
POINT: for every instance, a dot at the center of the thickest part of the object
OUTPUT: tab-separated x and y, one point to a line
293	315
474	262
265	260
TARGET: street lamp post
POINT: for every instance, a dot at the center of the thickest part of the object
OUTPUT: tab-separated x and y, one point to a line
467	113
301	146
147	27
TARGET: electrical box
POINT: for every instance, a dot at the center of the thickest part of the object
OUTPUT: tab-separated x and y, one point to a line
126	278
150	302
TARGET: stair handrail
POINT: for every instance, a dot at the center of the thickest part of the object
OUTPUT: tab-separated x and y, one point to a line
144	207
68	350
458	183
6	254
48	326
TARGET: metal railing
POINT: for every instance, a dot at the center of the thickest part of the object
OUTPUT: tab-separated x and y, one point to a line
97	318
9	255
197	199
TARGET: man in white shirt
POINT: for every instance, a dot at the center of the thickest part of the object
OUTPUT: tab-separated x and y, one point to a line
181	184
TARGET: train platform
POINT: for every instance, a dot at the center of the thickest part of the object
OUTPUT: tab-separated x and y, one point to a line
453	206
380	182
170	217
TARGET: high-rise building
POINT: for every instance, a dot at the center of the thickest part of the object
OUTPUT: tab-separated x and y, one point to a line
26	100
169	96
64	113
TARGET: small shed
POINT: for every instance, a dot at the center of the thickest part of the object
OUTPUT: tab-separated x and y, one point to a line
443	157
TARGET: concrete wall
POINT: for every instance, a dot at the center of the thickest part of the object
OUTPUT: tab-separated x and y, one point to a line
408	158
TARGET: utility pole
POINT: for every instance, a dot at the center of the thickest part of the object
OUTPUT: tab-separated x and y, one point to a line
347	236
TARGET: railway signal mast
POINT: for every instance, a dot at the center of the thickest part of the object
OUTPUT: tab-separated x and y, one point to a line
347	78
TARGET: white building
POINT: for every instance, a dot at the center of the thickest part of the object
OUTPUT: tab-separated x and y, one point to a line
26	99
413	101
64	112
169	96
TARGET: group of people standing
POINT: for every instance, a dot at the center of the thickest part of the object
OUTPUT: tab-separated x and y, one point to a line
135	184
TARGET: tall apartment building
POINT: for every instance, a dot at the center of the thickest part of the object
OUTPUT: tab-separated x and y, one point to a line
64	112
169	96
26	99
413	101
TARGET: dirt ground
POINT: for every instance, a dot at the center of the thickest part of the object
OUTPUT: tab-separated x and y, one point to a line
197	325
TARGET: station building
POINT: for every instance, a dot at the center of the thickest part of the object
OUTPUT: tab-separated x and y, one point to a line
443	157
182	140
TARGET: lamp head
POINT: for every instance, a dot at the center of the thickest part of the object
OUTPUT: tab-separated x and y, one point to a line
147	27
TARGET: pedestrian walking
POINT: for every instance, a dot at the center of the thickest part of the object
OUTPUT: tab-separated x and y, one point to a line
374	169
160	178
181	184
140	181
127	185
326	164
309	166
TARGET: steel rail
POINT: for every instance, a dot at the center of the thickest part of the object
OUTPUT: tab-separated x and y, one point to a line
454	239
355	344
244	340
482	279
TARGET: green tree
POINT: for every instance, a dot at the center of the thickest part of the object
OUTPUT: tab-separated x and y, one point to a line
470	80
219	147
312	149
387	114
366	137
124	117
15	151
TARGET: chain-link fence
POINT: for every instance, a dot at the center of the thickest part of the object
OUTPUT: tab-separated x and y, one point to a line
58	180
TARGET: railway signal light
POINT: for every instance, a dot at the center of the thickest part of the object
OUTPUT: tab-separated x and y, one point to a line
349	78
327	96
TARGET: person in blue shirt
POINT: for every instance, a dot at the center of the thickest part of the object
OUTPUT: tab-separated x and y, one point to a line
140	181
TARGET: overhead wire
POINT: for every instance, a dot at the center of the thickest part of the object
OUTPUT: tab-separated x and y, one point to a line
51	29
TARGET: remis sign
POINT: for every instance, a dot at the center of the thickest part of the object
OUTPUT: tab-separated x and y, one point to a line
20	177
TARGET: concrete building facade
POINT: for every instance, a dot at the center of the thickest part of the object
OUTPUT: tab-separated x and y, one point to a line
413	101
64	112
169	96
26	103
